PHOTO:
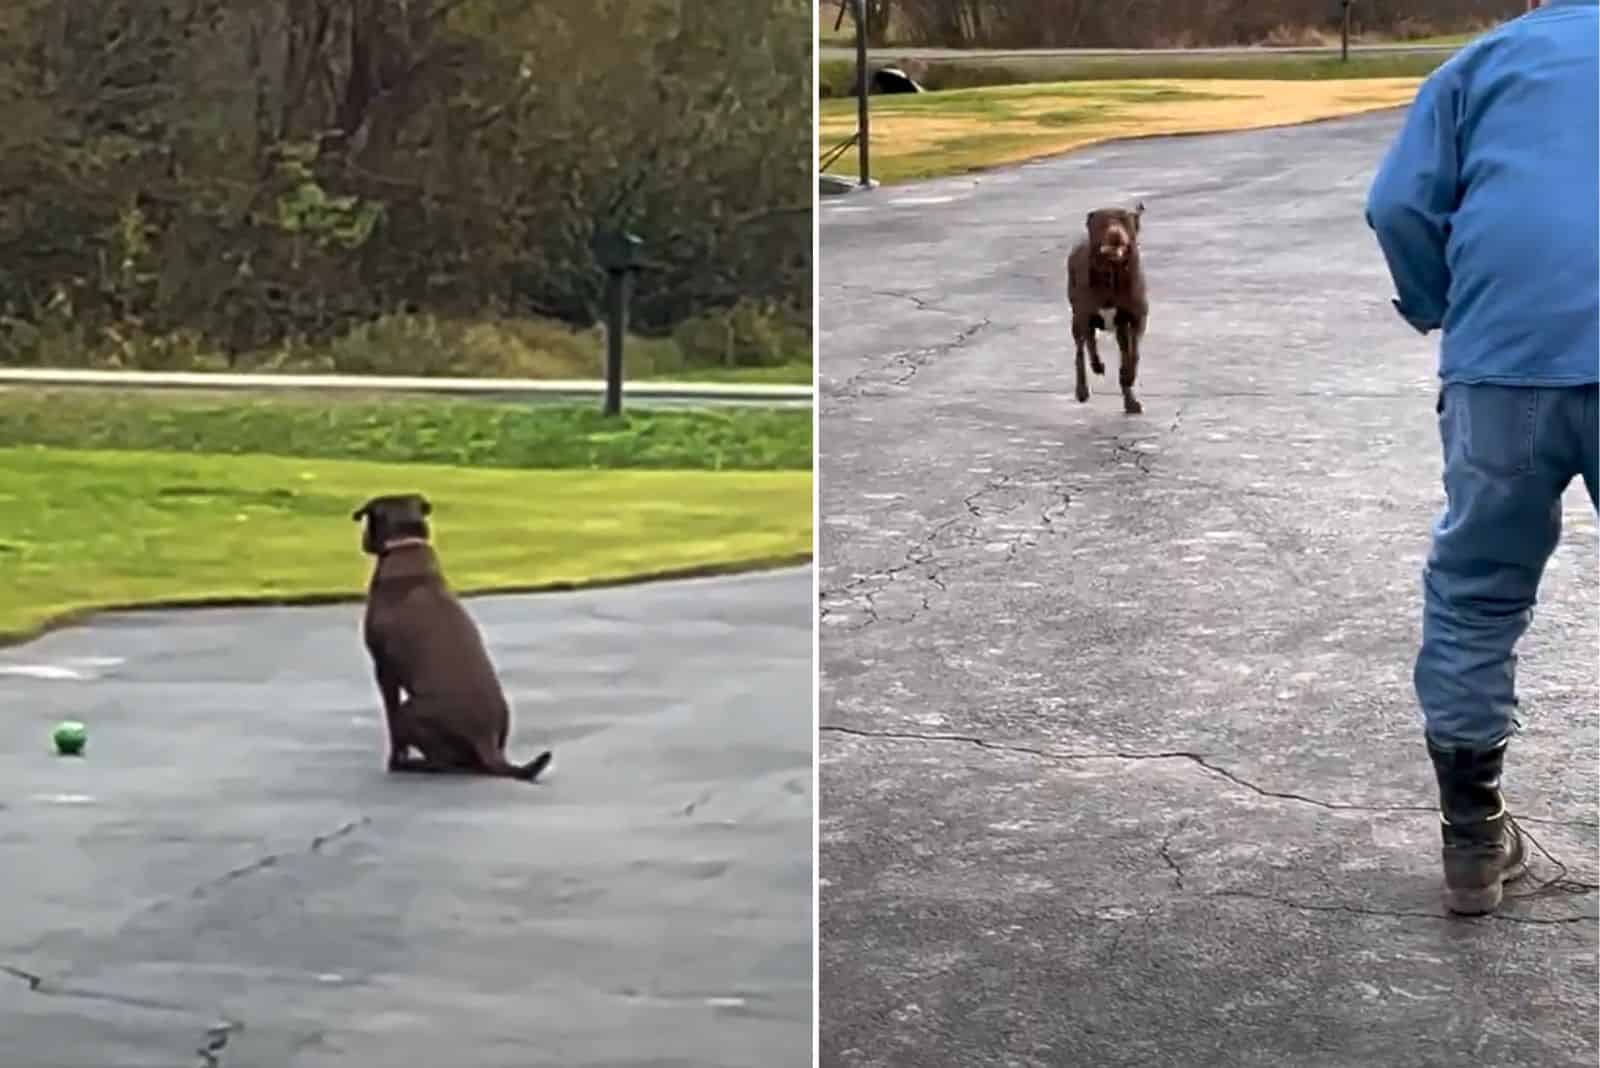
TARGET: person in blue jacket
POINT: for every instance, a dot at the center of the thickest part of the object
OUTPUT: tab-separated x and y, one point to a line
1487	210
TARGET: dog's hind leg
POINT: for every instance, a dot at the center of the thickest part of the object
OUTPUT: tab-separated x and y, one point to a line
396	713
1128	343
442	752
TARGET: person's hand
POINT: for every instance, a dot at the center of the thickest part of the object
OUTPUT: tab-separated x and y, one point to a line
1419	327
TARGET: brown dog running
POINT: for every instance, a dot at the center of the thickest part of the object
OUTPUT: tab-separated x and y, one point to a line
440	693
1105	286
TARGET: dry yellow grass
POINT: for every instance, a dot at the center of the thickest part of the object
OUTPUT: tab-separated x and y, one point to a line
947	133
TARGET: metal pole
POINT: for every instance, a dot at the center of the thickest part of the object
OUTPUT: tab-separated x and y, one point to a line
862	140
616	329
1344	34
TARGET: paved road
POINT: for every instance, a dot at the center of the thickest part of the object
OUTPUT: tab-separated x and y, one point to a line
648	392
231	854
886	55
1120	763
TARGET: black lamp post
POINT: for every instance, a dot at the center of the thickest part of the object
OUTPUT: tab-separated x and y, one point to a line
863	136
617	252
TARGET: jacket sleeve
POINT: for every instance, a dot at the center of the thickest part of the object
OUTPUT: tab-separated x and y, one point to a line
1415	192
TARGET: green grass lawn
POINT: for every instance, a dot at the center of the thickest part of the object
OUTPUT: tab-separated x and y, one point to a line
836	77
81	530
463	432
952	132
112	499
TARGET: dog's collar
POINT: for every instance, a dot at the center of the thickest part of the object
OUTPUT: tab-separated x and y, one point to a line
400	543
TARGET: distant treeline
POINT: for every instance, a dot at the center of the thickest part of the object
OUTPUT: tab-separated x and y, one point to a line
1162	23
242	173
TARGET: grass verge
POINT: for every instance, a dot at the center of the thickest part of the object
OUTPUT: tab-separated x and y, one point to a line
932	134
84	530
463	433
836	78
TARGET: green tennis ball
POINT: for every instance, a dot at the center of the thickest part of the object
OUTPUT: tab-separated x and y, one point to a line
70	738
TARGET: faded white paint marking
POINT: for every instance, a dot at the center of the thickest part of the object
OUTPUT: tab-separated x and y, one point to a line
63	799
43	671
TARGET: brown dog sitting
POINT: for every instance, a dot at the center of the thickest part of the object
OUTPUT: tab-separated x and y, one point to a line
440	693
1105	286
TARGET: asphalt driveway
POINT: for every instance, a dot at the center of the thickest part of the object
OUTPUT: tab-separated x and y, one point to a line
1120	764
230	878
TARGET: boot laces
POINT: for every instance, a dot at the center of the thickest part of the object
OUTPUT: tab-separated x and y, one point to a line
1559	883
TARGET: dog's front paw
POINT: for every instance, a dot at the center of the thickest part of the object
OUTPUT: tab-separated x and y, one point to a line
1132	407
1096	366
1082	392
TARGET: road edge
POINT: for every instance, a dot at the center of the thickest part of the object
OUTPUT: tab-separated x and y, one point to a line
990	168
80	616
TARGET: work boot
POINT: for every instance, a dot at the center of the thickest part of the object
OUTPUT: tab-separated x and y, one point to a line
1482	848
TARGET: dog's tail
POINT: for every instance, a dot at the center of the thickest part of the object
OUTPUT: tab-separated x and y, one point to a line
497	764
530	771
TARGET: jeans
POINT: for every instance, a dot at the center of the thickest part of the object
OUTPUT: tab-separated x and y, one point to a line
1509	454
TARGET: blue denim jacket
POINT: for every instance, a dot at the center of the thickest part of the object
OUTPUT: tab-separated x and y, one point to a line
1487	206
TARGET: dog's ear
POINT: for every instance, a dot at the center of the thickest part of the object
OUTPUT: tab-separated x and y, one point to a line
1138	215
361	513
1088	220
424	505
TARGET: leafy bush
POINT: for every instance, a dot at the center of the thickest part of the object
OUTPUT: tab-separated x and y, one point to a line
749	334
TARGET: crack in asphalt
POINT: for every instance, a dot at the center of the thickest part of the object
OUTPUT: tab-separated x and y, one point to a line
1359	910
1125	451
1125	447
210	1052
33	981
1172	754
921	303
863	590
910	362
44	987
1163	848
1164	852
914	361
216	1041
316	845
